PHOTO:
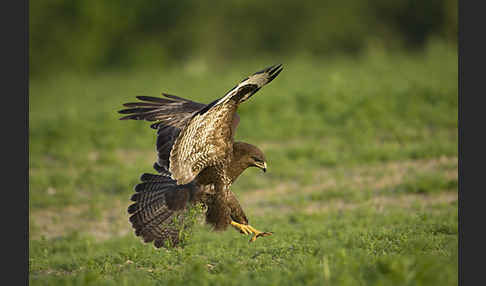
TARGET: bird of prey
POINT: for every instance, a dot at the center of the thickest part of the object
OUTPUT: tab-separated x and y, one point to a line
197	162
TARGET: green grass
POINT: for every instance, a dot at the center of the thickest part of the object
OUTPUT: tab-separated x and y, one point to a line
361	187
362	247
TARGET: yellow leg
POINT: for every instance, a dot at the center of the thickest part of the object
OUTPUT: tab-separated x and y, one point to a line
248	229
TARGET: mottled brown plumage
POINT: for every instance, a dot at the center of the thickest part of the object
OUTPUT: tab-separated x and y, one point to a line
198	161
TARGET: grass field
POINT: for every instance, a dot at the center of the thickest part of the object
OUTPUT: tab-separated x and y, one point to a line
361	187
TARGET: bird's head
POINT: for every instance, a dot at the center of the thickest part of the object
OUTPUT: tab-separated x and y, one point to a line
257	159
249	155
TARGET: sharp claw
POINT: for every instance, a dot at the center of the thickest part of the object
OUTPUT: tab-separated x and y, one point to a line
261	234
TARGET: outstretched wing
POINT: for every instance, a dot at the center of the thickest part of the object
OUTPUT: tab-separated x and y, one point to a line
207	138
171	113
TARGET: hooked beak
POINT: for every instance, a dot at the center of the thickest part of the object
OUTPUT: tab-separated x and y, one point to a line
262	166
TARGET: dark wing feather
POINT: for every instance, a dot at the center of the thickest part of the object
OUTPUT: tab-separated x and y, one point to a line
172	110
171	113
207	139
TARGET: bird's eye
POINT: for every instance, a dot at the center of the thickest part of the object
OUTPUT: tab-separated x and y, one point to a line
256	159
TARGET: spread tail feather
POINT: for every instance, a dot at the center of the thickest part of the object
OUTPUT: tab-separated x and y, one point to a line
160	209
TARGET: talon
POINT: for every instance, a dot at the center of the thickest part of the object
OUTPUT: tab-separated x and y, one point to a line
260	234
248	229
263	234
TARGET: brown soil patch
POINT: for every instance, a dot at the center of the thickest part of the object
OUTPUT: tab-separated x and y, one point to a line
365	177
407	201
129	156
100	222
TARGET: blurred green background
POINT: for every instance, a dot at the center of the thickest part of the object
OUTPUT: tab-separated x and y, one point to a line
359	131
91	35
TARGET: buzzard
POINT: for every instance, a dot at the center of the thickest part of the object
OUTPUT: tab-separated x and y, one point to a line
197	162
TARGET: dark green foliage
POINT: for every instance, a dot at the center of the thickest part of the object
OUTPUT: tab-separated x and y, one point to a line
90	35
